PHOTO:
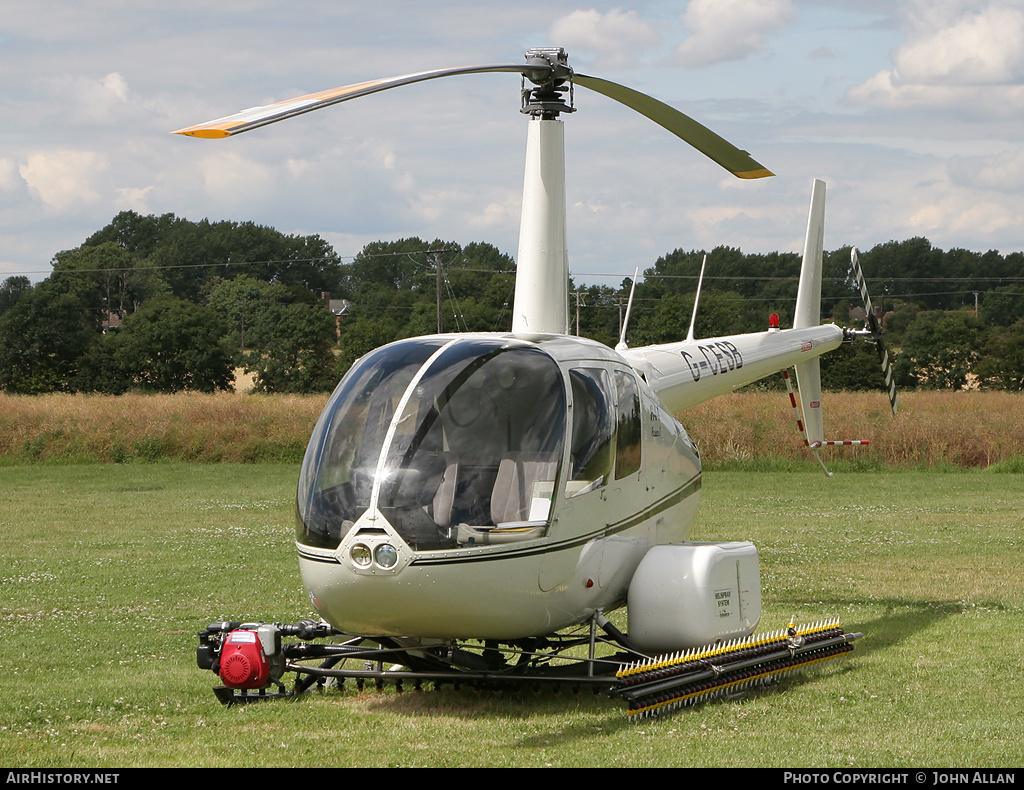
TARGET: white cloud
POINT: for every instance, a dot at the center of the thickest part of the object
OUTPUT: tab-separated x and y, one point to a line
85	99
498	214
956	55
229	177
886	90
134	198
985	47
64	180
956	213
614	36
1002	172
723	30
444	159
9	177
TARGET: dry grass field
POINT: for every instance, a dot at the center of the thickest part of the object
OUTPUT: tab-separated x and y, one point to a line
738	431
185	426
932	429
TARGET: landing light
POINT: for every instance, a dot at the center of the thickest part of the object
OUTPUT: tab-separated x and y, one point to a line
386	555
361	555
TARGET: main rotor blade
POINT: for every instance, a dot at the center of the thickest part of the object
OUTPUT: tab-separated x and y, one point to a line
737	162
255	117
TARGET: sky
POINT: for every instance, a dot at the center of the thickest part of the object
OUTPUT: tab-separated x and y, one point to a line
910	110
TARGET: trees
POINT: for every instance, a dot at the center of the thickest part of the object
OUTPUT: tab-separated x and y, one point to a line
166	346
107	279
1002	362
125	310
393	290
266	290
1004	305
43	338
739	291
852	367
192	254
11	290
239	302
940	351
292	349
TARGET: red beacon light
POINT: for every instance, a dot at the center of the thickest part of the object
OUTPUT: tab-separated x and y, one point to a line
773	322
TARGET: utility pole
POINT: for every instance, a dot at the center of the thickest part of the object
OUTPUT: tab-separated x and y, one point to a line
440	314
579	298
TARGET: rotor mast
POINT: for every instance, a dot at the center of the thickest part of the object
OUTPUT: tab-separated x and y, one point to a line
542	266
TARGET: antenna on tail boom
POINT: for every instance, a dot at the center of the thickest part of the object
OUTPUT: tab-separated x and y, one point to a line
621	345
696	300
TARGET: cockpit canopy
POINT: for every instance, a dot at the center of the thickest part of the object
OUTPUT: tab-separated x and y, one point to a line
456	442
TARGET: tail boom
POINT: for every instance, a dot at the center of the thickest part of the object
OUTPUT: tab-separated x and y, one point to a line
691	372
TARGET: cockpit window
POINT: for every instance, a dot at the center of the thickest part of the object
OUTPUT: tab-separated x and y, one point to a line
592	430
467	453
628	431
336	480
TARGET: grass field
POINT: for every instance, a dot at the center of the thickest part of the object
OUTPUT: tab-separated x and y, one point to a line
107	571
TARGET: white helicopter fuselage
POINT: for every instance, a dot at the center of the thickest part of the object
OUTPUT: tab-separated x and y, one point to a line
612	475
587	504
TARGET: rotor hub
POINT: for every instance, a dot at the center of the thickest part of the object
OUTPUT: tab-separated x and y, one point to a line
548	69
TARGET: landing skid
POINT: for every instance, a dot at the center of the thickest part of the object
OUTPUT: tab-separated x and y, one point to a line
600	660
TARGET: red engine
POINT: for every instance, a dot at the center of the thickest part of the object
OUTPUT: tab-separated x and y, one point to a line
243	662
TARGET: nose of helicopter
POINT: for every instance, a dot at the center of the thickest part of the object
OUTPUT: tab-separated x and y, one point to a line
373	547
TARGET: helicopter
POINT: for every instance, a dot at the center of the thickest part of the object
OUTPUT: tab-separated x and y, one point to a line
471	506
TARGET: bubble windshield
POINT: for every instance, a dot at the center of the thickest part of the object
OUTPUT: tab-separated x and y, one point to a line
457	444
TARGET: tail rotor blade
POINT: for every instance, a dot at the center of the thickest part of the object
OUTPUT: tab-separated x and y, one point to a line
876	331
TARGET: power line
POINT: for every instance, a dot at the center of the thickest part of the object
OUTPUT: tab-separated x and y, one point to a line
160	267
410	253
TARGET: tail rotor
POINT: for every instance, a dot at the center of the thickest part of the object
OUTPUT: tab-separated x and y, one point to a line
874	329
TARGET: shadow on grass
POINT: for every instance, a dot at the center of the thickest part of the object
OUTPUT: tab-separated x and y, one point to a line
602	715
904	618
467	704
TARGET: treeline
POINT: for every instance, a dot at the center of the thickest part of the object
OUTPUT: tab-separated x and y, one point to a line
952	319
162	304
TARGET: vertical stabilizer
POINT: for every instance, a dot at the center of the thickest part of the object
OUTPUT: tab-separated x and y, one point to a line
808	298
808	314
808	382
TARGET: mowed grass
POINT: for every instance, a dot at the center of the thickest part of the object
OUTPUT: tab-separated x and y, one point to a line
108	571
